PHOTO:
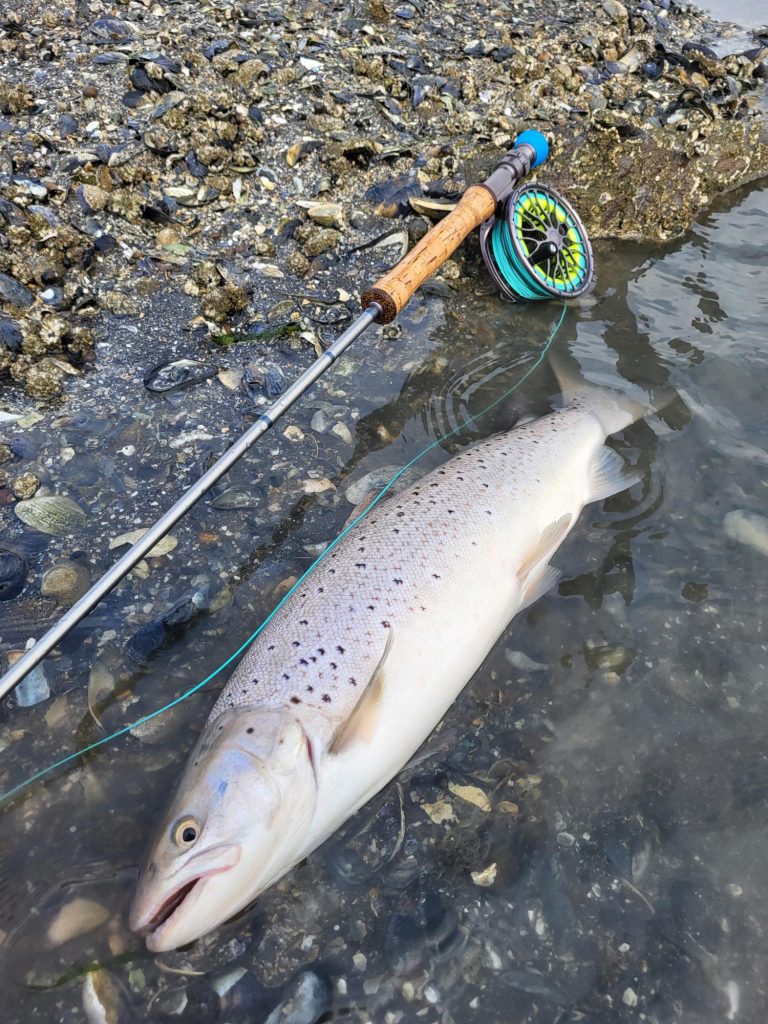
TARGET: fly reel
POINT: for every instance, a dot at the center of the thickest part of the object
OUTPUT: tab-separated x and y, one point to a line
536	247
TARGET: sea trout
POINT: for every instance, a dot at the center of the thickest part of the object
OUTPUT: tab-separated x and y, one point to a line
361	663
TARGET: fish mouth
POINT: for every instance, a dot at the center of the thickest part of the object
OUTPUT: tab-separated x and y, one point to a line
154	926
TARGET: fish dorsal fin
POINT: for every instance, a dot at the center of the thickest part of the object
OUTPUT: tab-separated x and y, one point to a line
547	543
359	725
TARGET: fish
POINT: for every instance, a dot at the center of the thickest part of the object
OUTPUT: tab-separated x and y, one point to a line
362	661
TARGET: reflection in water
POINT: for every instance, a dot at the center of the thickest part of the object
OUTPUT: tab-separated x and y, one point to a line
584	836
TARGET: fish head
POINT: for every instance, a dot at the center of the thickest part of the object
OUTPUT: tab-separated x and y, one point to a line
238	820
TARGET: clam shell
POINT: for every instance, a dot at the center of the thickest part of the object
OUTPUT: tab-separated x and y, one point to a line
66	582
53	514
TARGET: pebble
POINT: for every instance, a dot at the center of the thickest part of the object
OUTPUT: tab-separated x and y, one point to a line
78	917
66	582
25	486
629	997
748	528
33	688
486	877
306	1000
342	431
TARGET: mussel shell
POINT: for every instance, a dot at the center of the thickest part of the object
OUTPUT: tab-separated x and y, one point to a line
181	373
13	574
52	514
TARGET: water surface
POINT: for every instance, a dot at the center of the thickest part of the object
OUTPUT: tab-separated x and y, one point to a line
617	729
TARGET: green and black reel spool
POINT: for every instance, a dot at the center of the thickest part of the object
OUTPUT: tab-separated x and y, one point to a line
536	247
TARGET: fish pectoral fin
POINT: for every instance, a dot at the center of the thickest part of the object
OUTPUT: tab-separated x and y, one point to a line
538	584
608	475
361	721
548	542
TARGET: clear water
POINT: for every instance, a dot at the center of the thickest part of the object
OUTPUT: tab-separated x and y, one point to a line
617	729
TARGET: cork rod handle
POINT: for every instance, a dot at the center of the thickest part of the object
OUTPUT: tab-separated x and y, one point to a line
395	288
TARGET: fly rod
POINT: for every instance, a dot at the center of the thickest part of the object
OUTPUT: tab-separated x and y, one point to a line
534	246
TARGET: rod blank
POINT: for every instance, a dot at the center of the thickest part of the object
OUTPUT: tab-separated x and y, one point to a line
190	497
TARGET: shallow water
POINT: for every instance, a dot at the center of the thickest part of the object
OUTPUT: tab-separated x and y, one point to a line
616	729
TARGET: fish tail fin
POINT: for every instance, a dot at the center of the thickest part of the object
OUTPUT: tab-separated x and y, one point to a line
613	409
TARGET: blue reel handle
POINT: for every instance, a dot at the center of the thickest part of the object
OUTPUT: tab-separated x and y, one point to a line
530	150
538	144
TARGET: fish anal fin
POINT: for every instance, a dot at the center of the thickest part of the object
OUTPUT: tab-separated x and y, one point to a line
608	475
548	542
538	584
361	722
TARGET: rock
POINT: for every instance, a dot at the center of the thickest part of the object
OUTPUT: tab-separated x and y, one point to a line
104	1000
78	917
305	1000
316	240
486	877
342	431
66	582
25	485
748	528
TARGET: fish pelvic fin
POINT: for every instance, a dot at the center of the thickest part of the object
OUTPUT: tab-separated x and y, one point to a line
609	475
613	409
360	724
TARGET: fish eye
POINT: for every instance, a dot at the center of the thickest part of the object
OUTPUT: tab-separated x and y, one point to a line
186	832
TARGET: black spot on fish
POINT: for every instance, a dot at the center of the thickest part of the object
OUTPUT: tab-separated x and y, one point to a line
370	607
327	698
340	649
385	624
296	643
353	681
310	689
334	665
286	676
321	590
359	565
303	661
436	575
271	647
321	651
295	700
304	622
396	580
249	730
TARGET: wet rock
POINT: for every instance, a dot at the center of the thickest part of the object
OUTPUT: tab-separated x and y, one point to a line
25	485
65	582
33	688
305	1000
78	917
13	574
105	1000
53	514
316	240
748	528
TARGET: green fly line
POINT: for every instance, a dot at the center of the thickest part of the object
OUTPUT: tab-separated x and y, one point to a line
387	487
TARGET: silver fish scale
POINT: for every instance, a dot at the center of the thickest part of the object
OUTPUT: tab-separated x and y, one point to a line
322	647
